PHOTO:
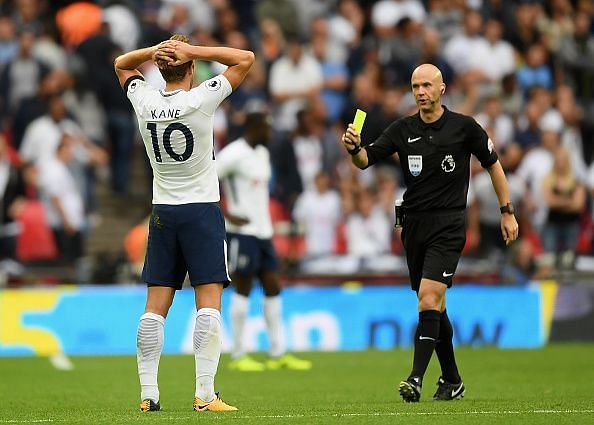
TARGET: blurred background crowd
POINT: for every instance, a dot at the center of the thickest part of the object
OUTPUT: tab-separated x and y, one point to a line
74	179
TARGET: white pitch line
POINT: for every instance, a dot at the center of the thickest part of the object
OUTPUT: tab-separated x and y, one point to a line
469	413
464	413
339	415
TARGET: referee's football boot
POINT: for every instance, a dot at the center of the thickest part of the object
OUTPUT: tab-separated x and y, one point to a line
410	390
150	406
216	405
447	391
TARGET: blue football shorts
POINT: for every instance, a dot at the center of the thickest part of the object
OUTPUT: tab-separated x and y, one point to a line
249	255
188	238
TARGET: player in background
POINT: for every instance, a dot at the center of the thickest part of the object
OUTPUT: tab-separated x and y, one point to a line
187	230
244	169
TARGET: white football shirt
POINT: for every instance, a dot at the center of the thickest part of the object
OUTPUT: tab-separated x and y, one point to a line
177	131
245	173
320	214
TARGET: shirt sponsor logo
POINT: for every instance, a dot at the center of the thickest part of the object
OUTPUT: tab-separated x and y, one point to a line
415	164
448	164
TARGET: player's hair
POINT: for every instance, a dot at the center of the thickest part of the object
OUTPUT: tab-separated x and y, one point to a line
172	74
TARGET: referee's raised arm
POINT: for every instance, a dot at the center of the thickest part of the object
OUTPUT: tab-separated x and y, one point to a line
351	140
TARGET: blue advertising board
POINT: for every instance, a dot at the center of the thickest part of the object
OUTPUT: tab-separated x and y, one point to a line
103	320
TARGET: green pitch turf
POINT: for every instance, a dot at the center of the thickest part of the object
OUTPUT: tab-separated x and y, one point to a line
554	385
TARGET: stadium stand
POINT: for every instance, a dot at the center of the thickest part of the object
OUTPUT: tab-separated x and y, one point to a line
524	69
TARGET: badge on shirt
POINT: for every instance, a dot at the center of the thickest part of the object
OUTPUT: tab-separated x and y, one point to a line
415	164
133	86
214	84
448	164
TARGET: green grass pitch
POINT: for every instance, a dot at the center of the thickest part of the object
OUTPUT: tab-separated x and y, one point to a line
554	385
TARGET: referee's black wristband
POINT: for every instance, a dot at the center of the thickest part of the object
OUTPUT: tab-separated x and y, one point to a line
355	150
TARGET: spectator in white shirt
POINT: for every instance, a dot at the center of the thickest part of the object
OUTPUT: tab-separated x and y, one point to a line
318	210
457	50
345	25
368	230
445	17
294	78
491	55
387	13
537	164
63	200
308	147
44	134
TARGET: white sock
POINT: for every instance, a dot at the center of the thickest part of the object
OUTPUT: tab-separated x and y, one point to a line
149	344
274	322
207	351
239	311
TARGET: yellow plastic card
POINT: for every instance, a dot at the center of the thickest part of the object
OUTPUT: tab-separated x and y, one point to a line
359	120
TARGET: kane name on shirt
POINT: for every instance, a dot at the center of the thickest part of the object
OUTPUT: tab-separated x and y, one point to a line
169	113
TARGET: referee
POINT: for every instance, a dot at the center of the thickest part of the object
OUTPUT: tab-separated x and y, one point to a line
434	147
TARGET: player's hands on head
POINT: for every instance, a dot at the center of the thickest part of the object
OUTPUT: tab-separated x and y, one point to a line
350	139
172	53
162	55
509	228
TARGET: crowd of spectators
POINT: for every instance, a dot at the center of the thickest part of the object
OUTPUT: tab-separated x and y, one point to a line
523	68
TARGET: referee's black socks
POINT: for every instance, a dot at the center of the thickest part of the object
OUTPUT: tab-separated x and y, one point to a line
425	339
445	350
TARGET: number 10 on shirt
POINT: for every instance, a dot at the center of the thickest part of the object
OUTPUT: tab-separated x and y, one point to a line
176	126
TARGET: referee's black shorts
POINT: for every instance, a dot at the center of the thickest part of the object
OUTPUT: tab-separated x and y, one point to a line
433	242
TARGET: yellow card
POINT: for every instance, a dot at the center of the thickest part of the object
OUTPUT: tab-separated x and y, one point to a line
359	120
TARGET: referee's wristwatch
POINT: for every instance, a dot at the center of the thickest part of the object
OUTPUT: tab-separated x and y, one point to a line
507	209
355	150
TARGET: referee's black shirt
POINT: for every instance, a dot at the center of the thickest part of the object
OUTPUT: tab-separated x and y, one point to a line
435	158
